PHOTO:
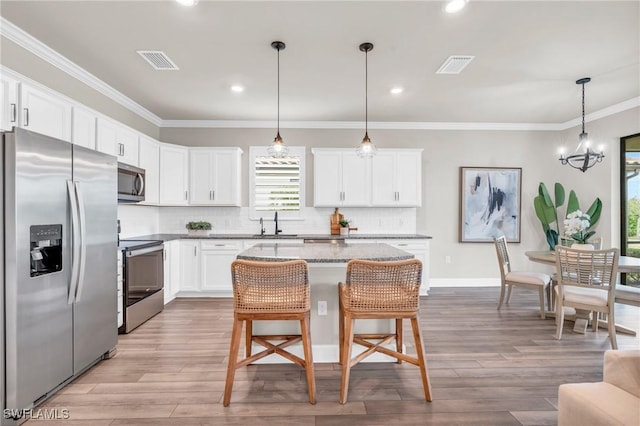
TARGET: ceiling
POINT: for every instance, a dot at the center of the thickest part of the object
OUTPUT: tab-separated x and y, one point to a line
528	55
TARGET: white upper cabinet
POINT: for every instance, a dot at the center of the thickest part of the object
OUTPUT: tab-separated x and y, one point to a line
115	139
8	102
45	112
83	127
149	160
397	178
174	175
215	176
341	178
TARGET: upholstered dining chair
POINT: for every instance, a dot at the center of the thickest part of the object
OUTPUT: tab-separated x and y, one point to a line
380	290
587	280
270	291
509	278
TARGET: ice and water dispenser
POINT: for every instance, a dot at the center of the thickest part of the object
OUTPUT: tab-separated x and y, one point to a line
46	249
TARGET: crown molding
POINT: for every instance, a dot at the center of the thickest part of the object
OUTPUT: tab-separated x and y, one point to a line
26	41
378	125
33	45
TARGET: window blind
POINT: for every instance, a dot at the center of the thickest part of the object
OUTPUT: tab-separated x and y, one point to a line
277	183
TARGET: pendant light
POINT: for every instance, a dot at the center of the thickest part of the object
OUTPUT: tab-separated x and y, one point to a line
366	148
583	158
277	148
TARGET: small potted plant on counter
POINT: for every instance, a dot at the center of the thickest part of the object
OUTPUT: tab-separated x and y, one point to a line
344	227
198	228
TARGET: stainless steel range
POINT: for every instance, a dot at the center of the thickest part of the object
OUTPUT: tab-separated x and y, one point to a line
143	263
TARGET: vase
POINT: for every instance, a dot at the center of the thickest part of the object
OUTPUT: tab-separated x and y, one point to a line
344	230
579	246
202	232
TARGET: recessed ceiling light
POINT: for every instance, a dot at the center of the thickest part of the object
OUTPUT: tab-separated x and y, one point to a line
188	2
396	90
454	6
237	88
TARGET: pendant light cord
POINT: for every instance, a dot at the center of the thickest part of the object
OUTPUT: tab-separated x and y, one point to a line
279	91
582	107
366	92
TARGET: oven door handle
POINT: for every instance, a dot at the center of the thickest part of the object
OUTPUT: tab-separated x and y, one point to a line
141	251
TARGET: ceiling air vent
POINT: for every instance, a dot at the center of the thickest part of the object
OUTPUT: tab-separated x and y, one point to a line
455	64
158	60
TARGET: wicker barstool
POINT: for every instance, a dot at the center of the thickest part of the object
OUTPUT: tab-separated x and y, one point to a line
380	290
270	291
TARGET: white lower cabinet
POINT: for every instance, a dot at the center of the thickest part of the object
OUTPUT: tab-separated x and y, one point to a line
171	270
216	259
189	265
420	249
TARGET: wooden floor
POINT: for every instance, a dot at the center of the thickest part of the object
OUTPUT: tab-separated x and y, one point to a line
487	367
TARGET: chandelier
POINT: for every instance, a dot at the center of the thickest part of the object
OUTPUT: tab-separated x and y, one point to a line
366	148
277	148
584	157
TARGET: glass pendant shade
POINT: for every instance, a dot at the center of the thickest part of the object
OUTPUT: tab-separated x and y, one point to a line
366	149
583	157
278	148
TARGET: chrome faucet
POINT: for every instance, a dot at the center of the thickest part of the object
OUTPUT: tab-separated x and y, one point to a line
277	230
262	230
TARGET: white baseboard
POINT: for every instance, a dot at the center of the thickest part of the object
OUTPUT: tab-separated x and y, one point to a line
464	282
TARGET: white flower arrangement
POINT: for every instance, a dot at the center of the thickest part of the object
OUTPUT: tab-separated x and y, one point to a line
576	225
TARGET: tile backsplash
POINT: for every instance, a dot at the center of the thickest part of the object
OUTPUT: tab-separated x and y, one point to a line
142	220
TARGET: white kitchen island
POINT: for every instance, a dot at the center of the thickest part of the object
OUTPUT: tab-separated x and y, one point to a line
327	267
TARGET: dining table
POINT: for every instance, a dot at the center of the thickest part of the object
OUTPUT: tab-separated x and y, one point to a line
626	265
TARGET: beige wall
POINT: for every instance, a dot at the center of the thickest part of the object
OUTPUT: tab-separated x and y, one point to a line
444	153
20	60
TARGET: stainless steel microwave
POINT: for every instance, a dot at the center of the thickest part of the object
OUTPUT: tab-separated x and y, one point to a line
131	183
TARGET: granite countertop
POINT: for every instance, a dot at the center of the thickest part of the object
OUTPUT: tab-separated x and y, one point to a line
323	252
353	236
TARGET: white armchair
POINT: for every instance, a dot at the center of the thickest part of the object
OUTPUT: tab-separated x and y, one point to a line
614	401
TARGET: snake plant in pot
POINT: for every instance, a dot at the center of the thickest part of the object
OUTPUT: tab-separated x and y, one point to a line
547	210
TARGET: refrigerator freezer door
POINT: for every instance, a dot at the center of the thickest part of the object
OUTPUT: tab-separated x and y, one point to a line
38	319
95	308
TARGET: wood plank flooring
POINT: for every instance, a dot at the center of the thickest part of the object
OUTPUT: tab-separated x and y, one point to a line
487	367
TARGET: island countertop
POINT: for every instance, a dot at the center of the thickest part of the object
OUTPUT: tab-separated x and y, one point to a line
323	252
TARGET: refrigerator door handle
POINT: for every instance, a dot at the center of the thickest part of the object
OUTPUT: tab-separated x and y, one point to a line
83	241
75	231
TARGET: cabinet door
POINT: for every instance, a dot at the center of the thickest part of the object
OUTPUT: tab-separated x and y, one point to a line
174	175
327	179
383	193
171	270
200	177
408	178
8	102
45	113
149	160
106	137
225	165
216	270
127	140
114	139
189	265
83	128
356	180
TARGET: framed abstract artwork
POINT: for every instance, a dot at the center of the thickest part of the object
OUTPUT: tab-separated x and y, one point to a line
489	204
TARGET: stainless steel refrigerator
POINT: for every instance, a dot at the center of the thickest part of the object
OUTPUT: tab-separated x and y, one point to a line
59	265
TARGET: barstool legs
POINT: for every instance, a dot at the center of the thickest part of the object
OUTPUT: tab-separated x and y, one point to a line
422	361
308	357
233	360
